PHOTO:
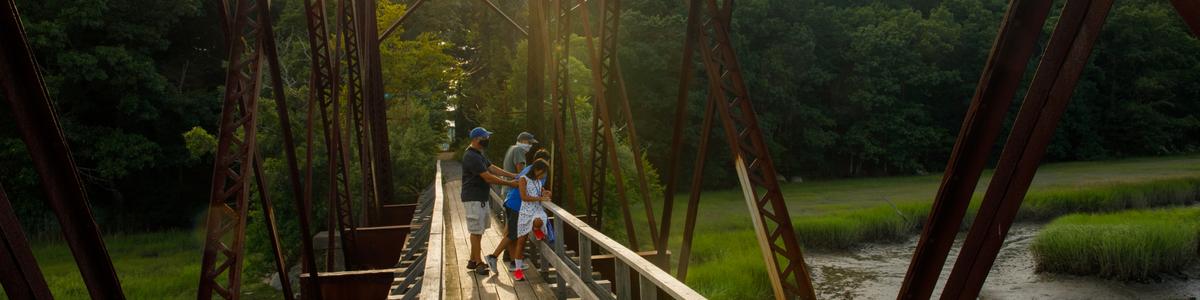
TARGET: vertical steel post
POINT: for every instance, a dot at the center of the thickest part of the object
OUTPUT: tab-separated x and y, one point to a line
772	222
535	73
1001	76
1059	70
223	246
563	181
37	123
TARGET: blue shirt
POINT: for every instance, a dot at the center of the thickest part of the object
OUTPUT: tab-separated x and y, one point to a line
513	199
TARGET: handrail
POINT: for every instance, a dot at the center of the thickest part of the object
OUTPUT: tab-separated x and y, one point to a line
573	274
431	281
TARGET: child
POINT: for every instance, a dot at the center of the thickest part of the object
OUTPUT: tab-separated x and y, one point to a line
532	216
512	209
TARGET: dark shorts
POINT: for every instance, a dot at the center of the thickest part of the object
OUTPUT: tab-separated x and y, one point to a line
510	220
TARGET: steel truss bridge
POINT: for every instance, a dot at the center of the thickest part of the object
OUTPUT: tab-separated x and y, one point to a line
407	251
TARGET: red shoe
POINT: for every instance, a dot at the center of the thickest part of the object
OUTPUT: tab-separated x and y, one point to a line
538	234
519	275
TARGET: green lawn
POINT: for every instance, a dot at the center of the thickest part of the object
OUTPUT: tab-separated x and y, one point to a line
162	265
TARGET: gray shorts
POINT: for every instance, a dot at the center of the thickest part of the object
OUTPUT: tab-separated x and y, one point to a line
478	216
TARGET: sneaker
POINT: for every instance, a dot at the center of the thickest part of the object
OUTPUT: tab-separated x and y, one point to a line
538	234
491	261
519	275
512	266
478	267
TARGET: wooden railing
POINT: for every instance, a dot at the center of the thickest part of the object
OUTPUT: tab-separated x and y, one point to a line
432	280
576	271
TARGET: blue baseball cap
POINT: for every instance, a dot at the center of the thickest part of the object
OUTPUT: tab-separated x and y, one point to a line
479	132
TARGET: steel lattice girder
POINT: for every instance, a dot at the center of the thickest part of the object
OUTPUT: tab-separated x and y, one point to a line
37	123
227	205
356	123
325	92
773	224
604	150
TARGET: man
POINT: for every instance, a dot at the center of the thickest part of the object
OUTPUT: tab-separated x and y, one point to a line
514	159
478	173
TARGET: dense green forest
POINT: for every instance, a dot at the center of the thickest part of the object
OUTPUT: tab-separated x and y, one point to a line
842	88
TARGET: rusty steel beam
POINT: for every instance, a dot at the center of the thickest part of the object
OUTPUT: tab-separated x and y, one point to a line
19	272
289	149
223	246
1065	57
681	100
37	123
514	24
376	108
535	71
602	126
264	196
615	87
1001	77
396	25
772	222
693	205
686	66
1189	10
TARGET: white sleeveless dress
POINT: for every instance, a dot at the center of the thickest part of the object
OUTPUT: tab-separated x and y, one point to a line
531	209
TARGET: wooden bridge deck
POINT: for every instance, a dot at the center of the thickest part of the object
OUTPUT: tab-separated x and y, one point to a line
460	283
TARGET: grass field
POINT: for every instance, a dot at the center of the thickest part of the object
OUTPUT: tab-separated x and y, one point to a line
842	214
162	265
1130	245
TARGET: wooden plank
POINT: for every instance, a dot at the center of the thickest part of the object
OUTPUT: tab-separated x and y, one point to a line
432	282
660	278
501	280
458	257
538	286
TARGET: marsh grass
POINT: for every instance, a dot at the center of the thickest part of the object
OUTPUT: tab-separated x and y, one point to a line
1132	245
891	223
161	265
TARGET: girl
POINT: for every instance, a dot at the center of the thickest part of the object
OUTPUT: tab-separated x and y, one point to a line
533	216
